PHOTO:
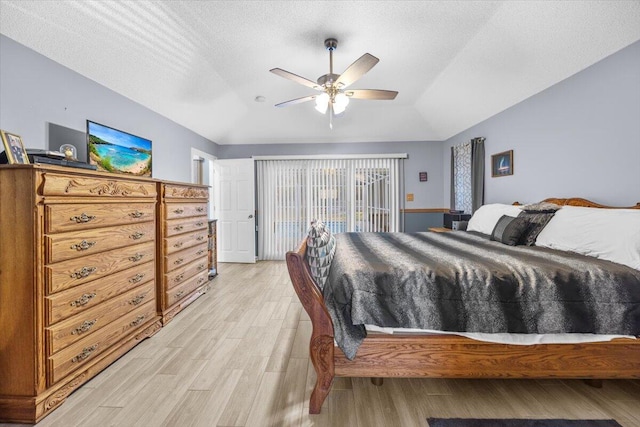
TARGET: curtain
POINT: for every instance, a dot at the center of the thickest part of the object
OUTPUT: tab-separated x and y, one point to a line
477	173
461	178
467	175
346	194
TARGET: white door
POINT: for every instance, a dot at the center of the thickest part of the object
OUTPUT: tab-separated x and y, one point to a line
235	207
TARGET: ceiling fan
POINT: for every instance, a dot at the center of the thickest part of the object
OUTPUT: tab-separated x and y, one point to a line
334	95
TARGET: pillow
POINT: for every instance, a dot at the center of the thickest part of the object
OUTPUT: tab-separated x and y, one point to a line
321	247
484	220
537	221
611	234
541	207
509	229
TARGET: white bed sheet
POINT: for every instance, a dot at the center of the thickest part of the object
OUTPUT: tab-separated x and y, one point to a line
516	339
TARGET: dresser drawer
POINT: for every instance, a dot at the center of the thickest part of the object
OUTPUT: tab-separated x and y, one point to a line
63	246
179	226
65	333
181	274
74	272
184	210
67	303
70	185
183	241
71	217
183	257
175	294
185	192
86	349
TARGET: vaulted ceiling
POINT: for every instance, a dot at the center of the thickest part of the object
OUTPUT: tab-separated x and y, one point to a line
203	63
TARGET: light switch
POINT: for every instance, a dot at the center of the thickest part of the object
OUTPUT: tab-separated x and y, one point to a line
409	197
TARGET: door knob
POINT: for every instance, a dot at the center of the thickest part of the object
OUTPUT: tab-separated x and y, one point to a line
250	216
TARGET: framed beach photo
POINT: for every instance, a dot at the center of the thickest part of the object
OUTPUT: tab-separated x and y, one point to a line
113	150
502	164
13	146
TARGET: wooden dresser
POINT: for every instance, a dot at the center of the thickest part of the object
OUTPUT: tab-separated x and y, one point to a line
77	280
183	266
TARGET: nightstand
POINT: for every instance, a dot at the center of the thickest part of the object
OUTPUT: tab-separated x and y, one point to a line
439	229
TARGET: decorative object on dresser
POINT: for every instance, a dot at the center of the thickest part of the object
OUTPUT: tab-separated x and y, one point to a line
113	150
502	164
78	289
14	148
183	253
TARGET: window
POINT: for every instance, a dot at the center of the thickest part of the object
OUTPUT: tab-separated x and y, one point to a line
346	194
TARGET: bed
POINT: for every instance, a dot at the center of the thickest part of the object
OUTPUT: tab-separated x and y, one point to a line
446	355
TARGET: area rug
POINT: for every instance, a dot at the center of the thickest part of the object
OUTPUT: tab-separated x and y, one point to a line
484	422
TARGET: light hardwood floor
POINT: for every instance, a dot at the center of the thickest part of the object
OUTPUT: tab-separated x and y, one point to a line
238	356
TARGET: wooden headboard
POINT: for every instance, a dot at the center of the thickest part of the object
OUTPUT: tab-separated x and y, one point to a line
576	201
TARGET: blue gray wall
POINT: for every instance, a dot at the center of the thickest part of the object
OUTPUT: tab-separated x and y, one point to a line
35	91
578	138
424	156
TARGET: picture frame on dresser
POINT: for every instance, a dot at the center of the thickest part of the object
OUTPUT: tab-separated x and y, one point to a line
14	148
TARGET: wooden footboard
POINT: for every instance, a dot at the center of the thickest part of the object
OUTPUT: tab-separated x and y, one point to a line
321	346
447	356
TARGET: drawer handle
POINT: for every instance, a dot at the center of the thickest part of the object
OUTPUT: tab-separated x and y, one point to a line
82	218
83	246
200	238
199	223
178	261
178	211
178	278
86	325
136	214
83	300
200	209
84	272
178	295
200	252
137	235
178	227
201	267
137	257
178	245
86	352
138	299
135	279
200	280
138	320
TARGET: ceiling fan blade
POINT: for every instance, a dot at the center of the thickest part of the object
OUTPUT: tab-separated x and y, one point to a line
296	78
357	69
371	94
296	101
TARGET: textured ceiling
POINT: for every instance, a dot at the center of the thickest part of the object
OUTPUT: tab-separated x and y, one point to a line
202	63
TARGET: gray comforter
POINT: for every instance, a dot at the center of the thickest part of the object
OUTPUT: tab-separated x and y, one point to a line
464	282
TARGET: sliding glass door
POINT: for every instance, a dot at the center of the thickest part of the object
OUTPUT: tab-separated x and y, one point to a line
346	194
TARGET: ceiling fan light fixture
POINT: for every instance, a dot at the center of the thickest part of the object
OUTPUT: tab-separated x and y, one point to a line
322	102
340	103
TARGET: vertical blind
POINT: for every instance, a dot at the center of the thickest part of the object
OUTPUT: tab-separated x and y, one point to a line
346	194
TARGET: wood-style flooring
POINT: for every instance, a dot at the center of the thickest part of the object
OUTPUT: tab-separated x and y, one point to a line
238	356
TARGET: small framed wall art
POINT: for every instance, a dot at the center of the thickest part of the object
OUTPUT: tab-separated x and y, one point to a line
502	164
16	154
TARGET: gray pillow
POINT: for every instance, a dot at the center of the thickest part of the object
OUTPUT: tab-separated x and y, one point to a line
545	207
509	230
537	221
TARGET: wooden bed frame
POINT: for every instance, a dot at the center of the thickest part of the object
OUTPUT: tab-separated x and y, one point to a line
450	356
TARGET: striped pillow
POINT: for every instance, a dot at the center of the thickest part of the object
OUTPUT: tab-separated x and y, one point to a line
321	246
